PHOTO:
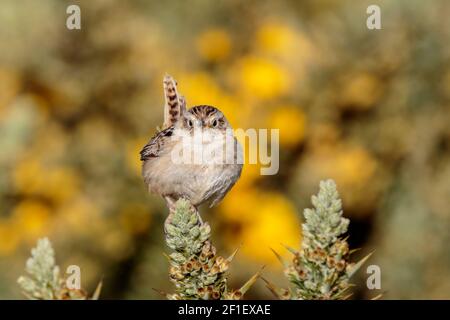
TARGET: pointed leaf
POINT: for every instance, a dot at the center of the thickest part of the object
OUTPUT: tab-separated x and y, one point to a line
164	294
347	296
276	291
358	265
291	250
378	297
97	291
251	281
284	263
231	257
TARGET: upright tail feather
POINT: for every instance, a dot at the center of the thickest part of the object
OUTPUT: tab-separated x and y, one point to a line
174	103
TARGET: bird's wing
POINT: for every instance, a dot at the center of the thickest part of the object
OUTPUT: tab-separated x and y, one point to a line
175	104
153	148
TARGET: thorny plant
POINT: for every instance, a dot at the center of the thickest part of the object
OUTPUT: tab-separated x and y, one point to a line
44	282
195	268
321	268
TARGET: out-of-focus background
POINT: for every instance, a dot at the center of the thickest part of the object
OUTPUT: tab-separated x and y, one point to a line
368	108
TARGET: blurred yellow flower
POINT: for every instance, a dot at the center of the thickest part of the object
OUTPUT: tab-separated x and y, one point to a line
200	88
262	78
9	238
214	45
239	204
135	218
353	168
265	220
292	122
360	92
276	38
31	177
289	46
250	174
31	219
356	164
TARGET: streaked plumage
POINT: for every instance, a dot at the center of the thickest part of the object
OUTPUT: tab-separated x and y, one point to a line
175	105
199	183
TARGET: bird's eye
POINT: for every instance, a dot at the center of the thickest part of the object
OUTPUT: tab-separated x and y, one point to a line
215	123
190	123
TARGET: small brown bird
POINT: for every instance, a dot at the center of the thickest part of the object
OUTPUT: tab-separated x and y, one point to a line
198	182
